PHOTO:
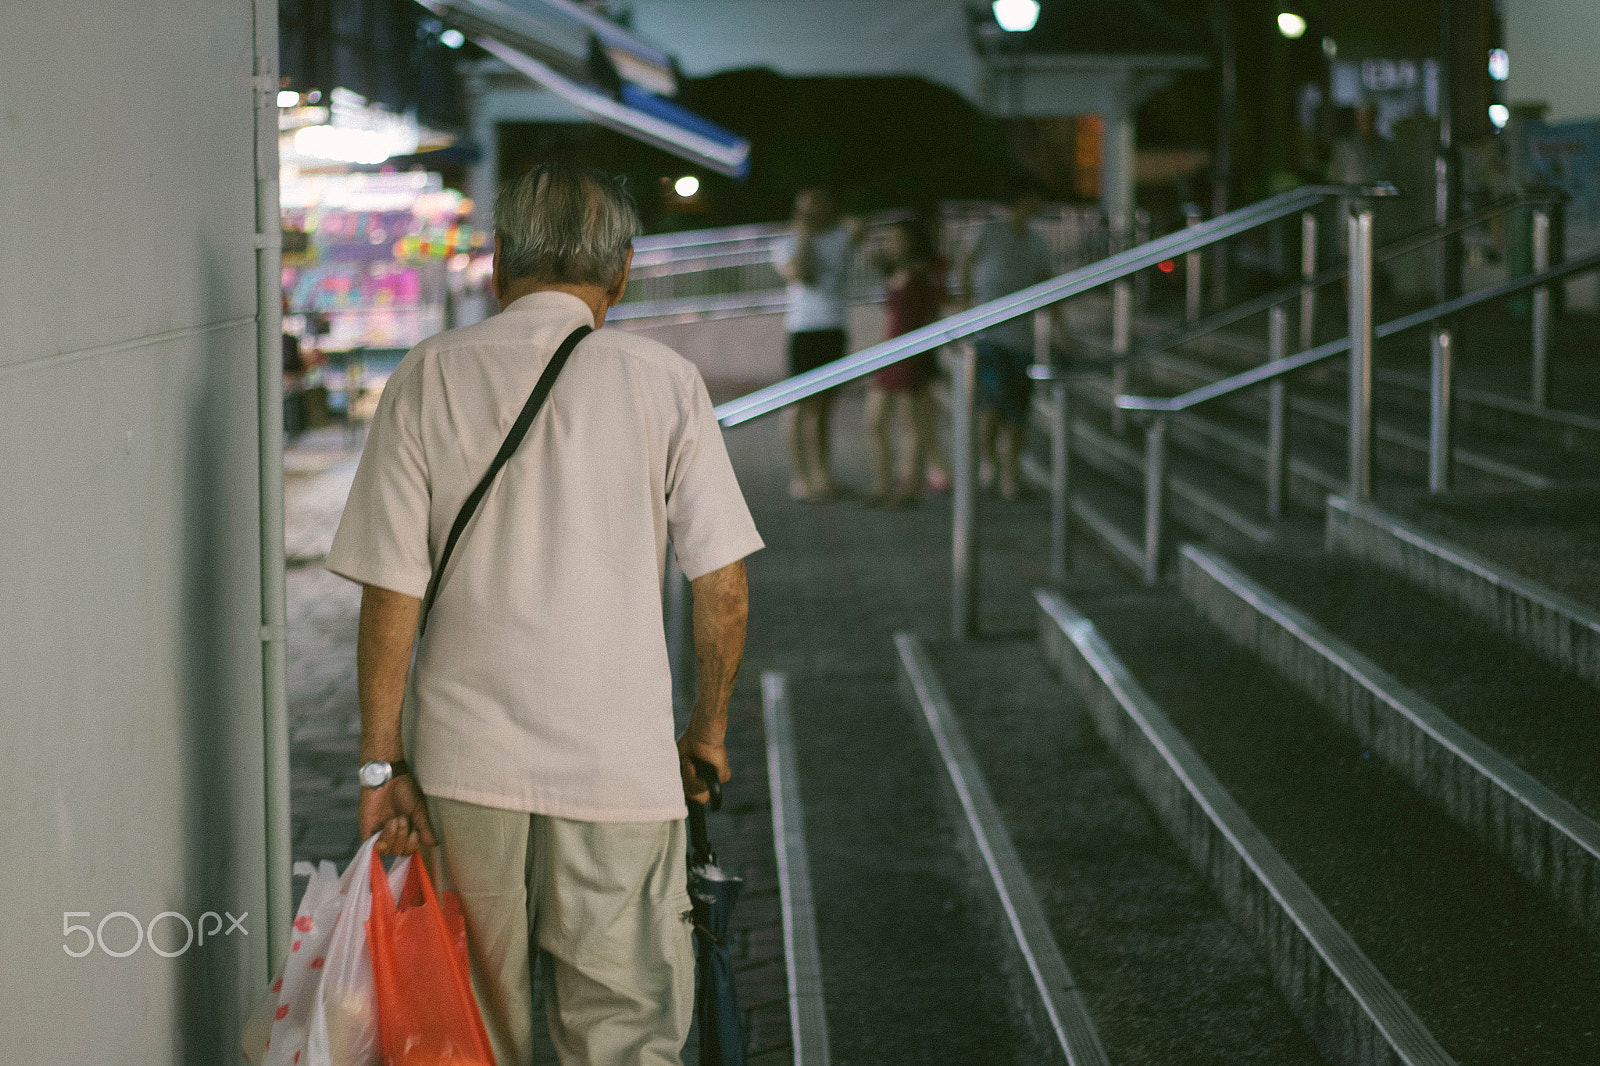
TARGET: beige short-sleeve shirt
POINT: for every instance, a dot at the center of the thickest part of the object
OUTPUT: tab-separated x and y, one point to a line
542	681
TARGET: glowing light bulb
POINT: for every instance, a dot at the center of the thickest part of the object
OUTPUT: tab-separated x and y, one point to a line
452	38
686	186
1016	16
1291	25
288	98
1499	114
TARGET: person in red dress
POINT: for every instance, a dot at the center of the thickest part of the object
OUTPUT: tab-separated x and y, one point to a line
898	400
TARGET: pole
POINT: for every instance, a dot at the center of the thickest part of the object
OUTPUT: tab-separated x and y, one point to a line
680	619
1060	480
964	500
1121	342
1440	450
1360	223
1308	270
1277	413
1191	270
1155	497
269	430
1541	307
1222	173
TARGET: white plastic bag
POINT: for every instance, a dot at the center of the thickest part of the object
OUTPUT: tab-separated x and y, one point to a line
327	1008
344	1021
296	986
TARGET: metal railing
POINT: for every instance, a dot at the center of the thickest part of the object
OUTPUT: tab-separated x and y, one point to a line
732	270
1116	271
1273	374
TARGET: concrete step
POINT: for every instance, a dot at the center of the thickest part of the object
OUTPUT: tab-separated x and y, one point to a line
1417	929
1349	1008
1557	627
1090	875
1400	435
1552	843
1235	443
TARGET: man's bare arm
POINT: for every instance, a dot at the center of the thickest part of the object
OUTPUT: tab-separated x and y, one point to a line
383	656
721	609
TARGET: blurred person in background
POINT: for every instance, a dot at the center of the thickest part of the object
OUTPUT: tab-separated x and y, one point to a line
898	400
1006	257
813	259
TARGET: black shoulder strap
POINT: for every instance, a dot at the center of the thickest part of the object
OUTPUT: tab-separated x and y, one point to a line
519	429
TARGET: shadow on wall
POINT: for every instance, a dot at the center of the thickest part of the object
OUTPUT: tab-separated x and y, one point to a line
221	733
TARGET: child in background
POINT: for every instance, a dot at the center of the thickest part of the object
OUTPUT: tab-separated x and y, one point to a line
898	400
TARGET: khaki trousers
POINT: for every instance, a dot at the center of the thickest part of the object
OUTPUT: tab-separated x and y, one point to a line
607	901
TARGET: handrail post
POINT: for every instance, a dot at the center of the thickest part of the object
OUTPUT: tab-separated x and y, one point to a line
1060	479
1141	235
1277	413
679	611
964	498
1308	270
1541	307
1191	270
1121	342
1155	497
1360	225
1440	414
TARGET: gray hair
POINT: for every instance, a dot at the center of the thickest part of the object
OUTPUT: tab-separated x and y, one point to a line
565	223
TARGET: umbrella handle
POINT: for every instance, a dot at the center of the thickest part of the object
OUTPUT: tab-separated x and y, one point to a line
708	774
700	853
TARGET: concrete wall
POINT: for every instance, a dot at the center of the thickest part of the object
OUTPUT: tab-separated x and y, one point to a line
130	654
1552	44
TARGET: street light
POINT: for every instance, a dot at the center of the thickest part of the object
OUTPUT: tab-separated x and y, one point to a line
1291	25
1016	16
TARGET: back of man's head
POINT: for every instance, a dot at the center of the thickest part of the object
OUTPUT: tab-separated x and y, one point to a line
565	224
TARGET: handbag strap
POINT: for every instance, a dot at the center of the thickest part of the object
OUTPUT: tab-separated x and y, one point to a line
519	429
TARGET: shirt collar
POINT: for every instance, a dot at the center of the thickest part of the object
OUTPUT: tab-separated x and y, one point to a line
549	301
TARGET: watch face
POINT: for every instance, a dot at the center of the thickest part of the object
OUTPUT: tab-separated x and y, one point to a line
373	774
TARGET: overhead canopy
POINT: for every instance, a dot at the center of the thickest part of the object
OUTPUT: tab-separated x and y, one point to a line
613	78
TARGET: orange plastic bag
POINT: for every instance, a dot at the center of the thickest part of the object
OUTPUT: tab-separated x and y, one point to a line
427	1015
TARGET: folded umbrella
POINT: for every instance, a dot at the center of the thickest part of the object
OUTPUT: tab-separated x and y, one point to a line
713	894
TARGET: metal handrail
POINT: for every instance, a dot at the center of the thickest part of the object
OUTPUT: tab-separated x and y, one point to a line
1279	367
1037	297
1404	246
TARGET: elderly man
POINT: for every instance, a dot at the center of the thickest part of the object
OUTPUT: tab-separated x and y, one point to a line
538	710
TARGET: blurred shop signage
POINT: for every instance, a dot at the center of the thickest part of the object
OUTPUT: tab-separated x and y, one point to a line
1566	155
348	131
1397	87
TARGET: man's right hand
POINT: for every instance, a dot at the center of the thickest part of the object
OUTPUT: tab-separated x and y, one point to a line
397	811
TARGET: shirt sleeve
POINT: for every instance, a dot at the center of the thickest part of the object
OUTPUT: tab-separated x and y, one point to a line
707	518
383	535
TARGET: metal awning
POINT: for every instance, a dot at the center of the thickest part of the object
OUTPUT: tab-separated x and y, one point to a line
611	77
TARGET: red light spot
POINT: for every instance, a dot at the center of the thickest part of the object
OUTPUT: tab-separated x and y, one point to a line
1166	266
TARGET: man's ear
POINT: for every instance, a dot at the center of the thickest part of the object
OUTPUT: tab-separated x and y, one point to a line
619	284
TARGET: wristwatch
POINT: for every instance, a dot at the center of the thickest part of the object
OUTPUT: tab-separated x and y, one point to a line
377	774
